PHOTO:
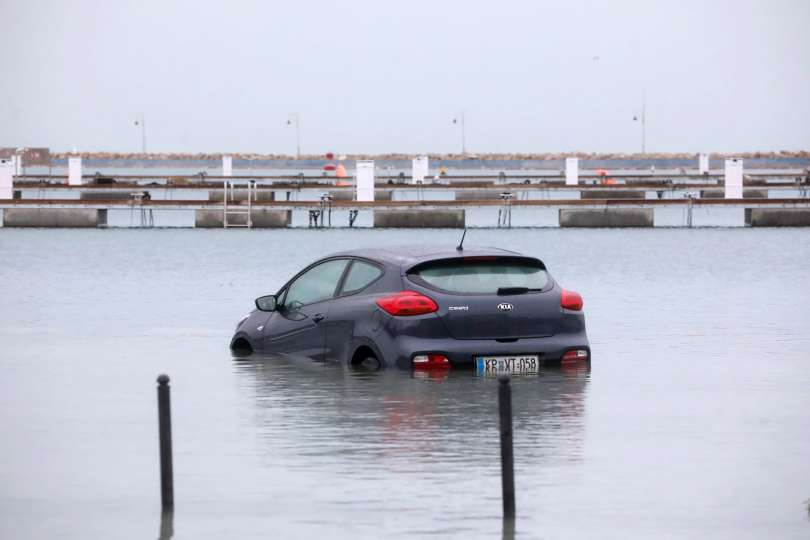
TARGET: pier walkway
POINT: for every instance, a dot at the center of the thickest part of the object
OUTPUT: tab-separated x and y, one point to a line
629	200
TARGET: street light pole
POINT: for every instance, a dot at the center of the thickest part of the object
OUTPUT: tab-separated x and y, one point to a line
297	118
142	122
462	119
644	121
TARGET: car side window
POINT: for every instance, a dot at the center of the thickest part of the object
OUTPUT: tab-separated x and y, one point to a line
361	274
316	284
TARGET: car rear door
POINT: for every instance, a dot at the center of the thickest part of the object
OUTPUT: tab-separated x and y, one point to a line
501	298
297	328
351	308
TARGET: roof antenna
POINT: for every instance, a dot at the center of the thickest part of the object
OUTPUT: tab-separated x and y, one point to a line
460	246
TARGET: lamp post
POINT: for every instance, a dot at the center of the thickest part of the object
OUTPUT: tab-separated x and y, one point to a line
462	119
142	122
295	117
643	121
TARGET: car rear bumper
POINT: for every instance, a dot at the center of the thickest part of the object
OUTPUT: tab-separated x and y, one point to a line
462	352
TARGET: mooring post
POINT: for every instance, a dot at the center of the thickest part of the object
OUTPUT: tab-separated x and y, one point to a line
165	432
507	456
689	209
75	170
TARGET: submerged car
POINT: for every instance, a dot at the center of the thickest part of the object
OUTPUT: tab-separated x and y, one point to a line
488	309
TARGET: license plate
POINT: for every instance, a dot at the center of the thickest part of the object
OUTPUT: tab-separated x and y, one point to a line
528	363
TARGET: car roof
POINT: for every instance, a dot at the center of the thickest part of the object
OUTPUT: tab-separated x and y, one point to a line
406	256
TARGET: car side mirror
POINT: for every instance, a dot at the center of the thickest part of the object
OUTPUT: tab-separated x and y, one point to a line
267	303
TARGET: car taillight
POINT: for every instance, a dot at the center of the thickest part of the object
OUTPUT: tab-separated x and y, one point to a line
571	300
430	361
577	355
405	303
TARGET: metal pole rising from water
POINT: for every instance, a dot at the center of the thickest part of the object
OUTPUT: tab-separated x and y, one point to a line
165	434
507	454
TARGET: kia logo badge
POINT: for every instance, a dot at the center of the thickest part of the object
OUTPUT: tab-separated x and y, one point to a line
505	307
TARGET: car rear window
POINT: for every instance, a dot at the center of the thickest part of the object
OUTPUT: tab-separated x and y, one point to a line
481	275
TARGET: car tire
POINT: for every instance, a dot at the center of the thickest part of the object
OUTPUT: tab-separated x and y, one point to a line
369	363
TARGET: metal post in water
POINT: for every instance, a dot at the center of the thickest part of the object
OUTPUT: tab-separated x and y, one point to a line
510	209
225	204
251	195
689	210
165	433
166	524
507	455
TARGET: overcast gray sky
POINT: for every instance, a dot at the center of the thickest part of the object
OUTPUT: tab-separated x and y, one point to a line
373	76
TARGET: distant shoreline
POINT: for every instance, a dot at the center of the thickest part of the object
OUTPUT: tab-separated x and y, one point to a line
607	156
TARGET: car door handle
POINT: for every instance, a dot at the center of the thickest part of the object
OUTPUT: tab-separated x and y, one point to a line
318	317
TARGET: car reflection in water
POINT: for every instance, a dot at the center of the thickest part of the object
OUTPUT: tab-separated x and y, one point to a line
399	419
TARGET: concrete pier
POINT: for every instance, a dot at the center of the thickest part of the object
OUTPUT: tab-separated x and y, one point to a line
777	217
261	218
747	194
642	217
270	219
346	195
442	219
478	195
6	179
611	194
55	217
420	213
240	195
106	195
208	219
343	195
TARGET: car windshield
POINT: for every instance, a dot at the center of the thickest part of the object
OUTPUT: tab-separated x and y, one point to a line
481	275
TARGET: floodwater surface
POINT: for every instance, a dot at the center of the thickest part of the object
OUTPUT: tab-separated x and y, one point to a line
692	422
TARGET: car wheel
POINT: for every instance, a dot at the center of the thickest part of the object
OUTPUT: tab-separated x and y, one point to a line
241	347
369	363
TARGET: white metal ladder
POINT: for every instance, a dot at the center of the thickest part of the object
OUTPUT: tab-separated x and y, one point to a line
229	190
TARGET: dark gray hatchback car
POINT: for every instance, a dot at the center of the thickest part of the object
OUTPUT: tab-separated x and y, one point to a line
488	309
